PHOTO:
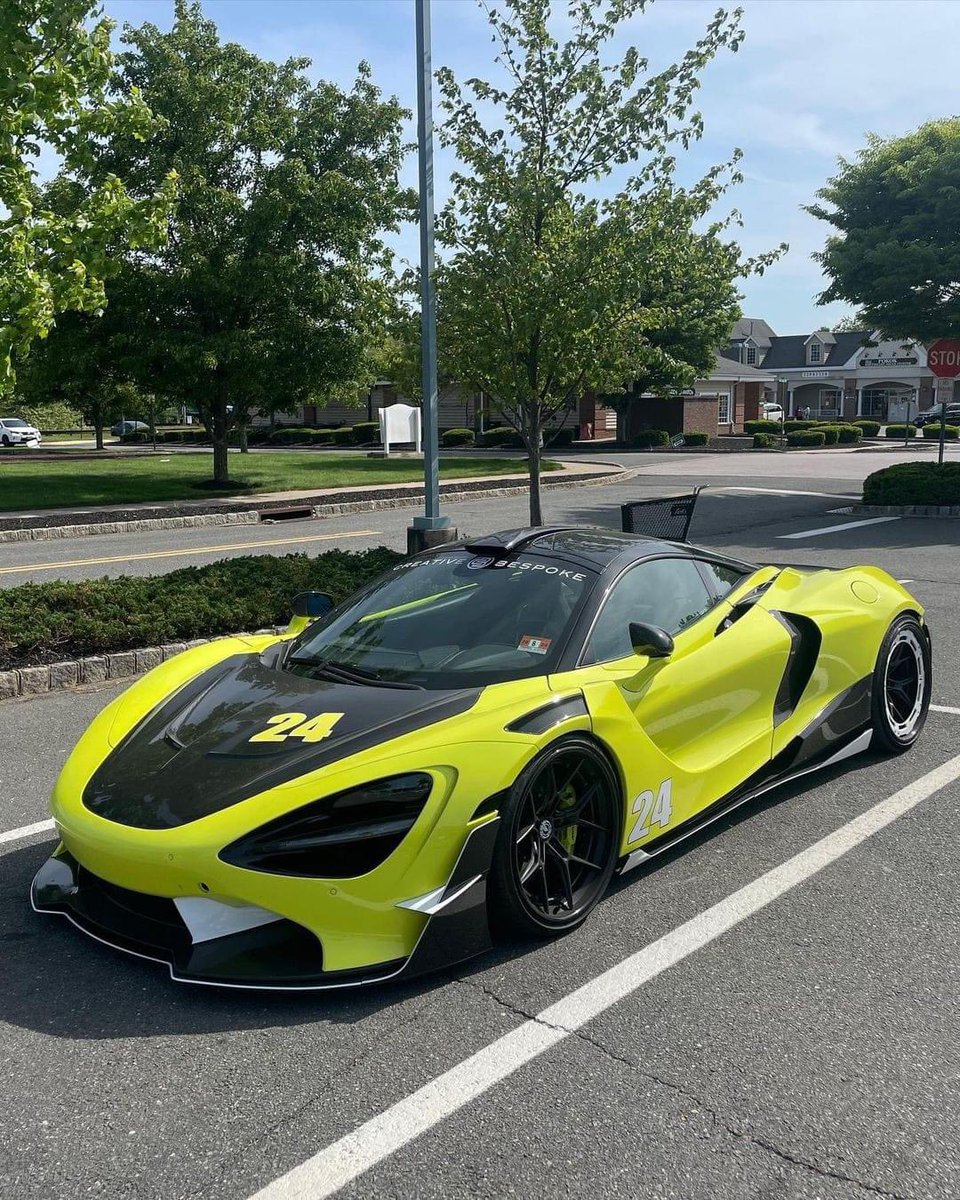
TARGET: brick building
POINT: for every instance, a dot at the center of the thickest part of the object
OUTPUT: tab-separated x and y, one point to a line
840	376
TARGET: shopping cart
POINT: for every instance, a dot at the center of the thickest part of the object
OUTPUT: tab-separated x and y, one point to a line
668	517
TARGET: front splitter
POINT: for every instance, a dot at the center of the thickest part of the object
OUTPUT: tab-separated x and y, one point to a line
279	956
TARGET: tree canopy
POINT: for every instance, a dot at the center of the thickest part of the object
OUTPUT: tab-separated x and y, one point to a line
548	288
54	71
274	272
896	252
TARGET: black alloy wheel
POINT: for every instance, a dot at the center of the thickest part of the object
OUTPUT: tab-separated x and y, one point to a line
559	841
902	685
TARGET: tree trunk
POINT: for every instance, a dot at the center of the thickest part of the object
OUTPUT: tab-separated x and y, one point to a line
98	432
218	435
242	439
533	451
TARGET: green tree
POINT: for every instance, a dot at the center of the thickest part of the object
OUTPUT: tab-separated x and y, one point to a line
548	289
86	363
896	253
274	273
54	72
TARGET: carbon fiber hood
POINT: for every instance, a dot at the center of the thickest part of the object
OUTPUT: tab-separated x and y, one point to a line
192	756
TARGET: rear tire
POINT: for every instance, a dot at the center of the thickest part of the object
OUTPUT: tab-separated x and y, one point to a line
559	841
902	684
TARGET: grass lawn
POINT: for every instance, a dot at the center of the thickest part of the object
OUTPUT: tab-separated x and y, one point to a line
33	485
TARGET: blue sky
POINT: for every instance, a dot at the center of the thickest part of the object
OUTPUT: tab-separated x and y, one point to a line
811	78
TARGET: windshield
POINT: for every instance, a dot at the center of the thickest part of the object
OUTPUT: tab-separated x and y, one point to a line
456	620
15	423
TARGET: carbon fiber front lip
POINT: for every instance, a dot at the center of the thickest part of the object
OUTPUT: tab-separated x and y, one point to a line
456	929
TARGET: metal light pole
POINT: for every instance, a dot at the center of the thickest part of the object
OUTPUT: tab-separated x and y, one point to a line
431	529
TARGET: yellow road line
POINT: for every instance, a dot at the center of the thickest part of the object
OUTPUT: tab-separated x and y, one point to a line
96	562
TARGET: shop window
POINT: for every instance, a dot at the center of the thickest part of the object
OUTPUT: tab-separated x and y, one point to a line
723	410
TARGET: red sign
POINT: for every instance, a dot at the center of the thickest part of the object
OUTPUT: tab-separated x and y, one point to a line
943	358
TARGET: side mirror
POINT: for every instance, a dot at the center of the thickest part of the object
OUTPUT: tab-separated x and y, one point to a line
650	640
306	607
311	604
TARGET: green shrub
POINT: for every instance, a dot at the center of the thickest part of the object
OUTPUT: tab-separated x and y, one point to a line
793	425
761	426
646	439
831	434
900	431
457	437
764	441
849	434
501	435
291	435
46	622
365	432
932	432
870	428
343	436
912	483
694	438
806	437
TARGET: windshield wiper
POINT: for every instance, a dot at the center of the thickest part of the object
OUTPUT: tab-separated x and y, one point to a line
346	673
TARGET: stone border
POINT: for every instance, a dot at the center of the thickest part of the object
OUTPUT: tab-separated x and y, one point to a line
100	668
32	529
907	510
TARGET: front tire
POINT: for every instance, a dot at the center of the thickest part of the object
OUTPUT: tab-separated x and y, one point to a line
559	841
902	684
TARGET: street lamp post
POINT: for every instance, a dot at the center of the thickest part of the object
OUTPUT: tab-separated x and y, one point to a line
431	529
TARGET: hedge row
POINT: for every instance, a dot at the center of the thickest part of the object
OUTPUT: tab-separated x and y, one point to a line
695	438
914	483
870	428
764	441
48	622
900	431
932	432
647	439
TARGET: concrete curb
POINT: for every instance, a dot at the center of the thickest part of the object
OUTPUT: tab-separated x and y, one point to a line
907	510
98	668
370	500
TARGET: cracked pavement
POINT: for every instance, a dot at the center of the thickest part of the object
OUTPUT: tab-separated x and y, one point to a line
810	1053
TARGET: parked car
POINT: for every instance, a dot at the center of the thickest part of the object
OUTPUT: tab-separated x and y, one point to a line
933	415
771	412
471	745
124	427
14	432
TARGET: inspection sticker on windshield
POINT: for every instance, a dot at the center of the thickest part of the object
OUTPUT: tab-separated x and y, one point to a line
536	645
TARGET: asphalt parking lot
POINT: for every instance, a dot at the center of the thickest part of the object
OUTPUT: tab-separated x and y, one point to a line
792	1037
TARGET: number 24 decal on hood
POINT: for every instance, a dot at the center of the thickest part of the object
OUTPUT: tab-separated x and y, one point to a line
298	725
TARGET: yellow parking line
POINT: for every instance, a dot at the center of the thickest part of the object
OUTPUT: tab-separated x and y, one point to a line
114	558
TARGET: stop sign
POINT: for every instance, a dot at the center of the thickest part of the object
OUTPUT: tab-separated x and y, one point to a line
943	357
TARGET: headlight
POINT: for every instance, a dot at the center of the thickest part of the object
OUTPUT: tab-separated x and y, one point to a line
339	836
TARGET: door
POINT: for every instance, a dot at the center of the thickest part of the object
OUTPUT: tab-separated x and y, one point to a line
701	719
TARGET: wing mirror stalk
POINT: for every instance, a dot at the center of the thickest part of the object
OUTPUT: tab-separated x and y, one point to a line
650	640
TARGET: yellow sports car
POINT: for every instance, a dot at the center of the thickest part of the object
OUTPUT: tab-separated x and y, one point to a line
473	743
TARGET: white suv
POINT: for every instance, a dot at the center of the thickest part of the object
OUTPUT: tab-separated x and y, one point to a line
14	432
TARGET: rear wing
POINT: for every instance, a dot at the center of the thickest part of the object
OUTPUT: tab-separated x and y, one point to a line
668	518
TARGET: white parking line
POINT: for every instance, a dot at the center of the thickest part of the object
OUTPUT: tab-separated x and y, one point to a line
25	831
378	1138
836	528
945	708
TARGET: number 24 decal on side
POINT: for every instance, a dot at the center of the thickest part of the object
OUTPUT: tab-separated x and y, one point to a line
650	811
298	725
